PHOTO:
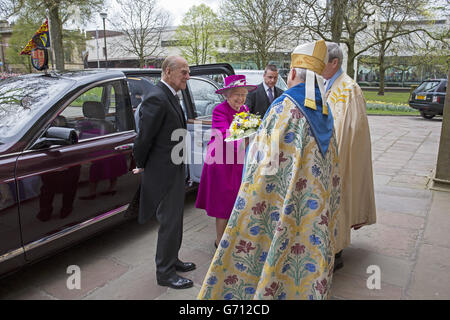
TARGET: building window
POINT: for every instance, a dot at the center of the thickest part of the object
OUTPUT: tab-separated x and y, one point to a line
174	43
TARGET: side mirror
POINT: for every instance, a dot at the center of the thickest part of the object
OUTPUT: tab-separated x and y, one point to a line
56	136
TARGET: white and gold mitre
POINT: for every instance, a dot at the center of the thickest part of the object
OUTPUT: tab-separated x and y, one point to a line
313	57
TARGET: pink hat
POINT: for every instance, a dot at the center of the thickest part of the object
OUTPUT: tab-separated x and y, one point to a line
236	81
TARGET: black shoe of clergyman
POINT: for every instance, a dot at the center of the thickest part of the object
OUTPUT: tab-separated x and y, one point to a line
184	266
338	264
176	282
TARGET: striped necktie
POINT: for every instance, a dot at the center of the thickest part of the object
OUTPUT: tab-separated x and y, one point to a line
269	93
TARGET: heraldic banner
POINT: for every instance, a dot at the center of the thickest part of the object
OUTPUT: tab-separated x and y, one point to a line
40	39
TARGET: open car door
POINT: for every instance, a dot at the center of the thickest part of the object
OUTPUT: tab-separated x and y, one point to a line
199	100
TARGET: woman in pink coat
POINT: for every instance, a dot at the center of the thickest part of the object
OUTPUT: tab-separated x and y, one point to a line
222	174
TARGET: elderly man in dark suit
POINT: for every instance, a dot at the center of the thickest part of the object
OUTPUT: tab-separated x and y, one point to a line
259	100
163	178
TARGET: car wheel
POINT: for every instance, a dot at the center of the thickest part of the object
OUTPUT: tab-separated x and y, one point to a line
427	115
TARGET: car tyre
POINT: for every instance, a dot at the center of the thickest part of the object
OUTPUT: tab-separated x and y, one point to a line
427	115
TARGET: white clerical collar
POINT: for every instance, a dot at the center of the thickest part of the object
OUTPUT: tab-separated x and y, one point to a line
171	89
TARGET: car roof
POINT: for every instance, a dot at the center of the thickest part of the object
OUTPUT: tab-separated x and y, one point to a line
249	71
434	80
79	77
88	75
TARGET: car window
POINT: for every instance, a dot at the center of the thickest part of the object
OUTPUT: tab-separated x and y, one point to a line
219	79
138	87
153	78
428	86
99	111
22	99
443	87
204	97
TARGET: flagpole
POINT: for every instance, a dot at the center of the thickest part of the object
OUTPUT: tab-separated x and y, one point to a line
96	39
51	40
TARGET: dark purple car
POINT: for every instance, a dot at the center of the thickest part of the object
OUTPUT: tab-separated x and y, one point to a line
66	155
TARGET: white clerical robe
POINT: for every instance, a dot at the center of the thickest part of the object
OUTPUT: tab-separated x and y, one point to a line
348	106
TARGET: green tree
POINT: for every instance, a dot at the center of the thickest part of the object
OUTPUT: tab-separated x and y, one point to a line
395	26
361	21
59	13
21	32
197	34
339	21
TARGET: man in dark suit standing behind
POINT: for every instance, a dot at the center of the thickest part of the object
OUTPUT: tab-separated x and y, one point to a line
163	178
259	100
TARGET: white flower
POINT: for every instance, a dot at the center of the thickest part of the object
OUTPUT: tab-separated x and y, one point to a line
243	124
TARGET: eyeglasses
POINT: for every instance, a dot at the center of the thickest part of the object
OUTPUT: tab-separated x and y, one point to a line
240	95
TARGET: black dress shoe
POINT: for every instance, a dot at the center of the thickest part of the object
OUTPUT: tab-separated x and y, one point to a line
184	266
176	282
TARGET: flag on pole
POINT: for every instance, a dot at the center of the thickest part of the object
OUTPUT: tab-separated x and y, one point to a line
40	39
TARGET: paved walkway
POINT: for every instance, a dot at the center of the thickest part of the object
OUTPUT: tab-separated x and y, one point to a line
410	244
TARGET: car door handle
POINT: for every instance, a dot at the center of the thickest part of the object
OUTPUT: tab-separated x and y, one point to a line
123	147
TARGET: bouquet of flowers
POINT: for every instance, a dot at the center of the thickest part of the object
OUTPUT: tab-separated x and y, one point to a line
244	124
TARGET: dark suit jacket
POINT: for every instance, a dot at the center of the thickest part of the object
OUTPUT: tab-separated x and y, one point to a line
257	100
159	115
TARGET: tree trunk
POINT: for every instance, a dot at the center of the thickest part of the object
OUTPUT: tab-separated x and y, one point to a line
442	177
382	72
350	58
337	18
56	36
259	61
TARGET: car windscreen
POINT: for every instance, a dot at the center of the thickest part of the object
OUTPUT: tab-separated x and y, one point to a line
22	98
253	78
256	77
428	86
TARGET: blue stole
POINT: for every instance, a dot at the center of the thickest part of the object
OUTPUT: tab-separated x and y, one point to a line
321	124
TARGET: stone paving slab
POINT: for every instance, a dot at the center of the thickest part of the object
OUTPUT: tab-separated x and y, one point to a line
438	225
387	240
431	278
394	271
351	287
137	284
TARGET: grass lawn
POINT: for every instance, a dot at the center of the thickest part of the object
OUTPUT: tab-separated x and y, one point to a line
393	112
389	97
392	103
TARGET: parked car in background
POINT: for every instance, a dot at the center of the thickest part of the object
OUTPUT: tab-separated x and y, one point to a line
429	97
66	144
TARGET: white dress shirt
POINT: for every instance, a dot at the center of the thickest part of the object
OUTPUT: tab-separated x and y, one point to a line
266	87
171	89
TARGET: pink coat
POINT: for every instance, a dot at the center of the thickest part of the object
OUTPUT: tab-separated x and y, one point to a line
220	182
